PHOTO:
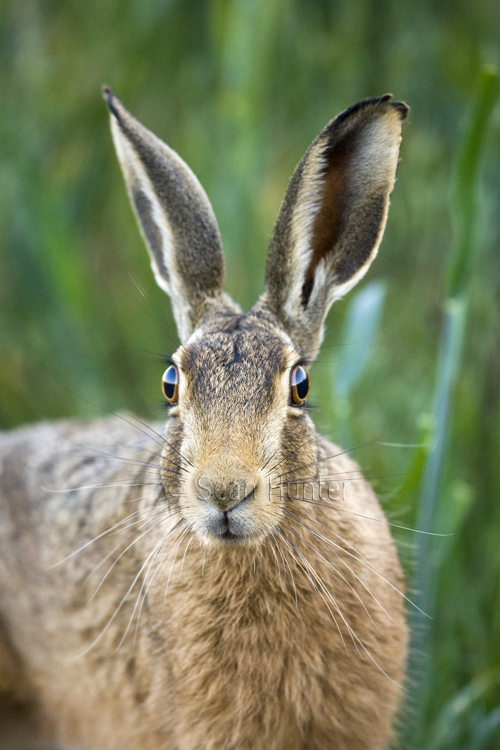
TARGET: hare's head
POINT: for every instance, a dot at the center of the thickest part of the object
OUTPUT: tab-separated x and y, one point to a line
238	384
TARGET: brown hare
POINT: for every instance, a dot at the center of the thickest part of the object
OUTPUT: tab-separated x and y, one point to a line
217	584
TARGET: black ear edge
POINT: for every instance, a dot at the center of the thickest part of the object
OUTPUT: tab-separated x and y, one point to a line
373	103
357	116
111	100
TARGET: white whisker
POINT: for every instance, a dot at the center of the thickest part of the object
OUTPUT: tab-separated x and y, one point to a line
124	598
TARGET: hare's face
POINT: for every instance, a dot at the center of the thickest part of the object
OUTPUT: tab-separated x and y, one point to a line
237	428
235	432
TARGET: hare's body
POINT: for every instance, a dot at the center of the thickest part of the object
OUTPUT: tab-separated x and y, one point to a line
232	656
231	583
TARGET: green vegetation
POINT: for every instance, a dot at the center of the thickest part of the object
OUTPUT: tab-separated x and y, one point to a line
433	498
239	88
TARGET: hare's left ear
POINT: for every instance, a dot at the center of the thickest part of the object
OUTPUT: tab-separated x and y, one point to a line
175	218
333	216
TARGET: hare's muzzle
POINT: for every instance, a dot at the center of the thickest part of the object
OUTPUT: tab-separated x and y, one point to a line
223	504
225	496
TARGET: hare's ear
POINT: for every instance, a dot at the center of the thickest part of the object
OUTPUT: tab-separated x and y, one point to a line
175	218
333	216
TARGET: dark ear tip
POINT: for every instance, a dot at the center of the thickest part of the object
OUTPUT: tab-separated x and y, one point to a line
107	94
374	104
111	100
401	107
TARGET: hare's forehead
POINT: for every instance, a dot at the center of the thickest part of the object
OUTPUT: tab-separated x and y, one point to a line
235	357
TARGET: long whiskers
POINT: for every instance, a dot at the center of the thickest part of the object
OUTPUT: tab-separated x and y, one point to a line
308	569
151	453
335	455
90	487
141	597
134	542
128	592
346	509
96	538
358	557
173	563
291	515
355	638
307	442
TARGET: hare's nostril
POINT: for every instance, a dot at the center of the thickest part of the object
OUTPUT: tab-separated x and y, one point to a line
225	496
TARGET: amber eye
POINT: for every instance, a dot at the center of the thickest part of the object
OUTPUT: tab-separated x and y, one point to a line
170	384
299	380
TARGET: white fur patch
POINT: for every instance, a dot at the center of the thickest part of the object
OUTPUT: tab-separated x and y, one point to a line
304	215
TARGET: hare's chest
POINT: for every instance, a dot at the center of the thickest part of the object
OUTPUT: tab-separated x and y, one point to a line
245	662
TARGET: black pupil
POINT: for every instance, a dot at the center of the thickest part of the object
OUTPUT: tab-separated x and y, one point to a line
301	382
170	382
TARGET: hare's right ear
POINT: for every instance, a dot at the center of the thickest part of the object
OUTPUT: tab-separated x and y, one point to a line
332	218
175	218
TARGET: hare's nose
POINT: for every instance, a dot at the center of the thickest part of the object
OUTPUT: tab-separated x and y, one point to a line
225	495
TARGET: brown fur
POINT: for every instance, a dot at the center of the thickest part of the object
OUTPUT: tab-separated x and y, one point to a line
236	608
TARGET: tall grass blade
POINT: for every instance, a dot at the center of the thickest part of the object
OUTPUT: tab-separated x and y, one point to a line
465	193
448	366
452	718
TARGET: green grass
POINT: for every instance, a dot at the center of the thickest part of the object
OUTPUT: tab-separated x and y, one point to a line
435	501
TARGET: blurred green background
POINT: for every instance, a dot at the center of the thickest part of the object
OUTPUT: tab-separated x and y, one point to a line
240	88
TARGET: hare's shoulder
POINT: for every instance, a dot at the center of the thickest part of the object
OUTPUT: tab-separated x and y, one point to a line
58	438
61	485
51	471
54	449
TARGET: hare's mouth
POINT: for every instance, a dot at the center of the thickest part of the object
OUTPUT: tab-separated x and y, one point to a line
229	526
228	511
229	536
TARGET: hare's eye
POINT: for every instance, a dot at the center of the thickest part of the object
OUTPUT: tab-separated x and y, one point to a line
299	381
170	384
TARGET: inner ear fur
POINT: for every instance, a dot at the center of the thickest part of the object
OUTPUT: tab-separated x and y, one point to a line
333	215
